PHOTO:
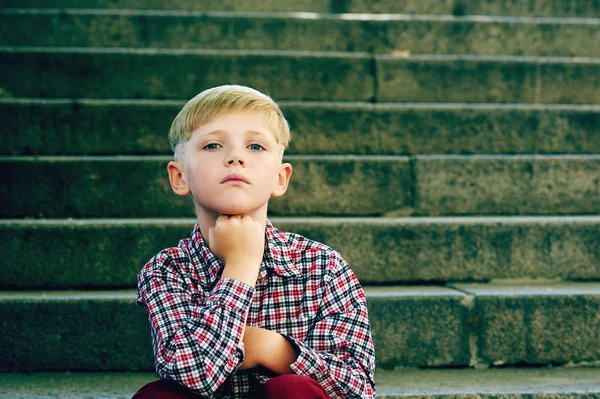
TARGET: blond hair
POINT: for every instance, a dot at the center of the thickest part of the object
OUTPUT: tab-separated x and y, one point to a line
214	103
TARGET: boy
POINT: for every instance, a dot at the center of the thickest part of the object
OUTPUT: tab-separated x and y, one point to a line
241	309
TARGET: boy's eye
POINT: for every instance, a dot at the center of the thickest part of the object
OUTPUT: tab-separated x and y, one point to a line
256	147
211	146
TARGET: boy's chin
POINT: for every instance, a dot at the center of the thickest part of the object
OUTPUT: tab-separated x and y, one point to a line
236	210
231	208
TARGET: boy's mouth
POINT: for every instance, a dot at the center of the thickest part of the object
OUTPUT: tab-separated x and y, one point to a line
233	178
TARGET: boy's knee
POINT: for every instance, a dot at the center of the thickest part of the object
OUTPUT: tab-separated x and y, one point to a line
293	386
164	389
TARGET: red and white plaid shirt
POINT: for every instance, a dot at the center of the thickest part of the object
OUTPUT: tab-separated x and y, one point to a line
305	291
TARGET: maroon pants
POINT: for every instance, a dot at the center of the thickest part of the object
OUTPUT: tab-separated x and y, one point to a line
288	386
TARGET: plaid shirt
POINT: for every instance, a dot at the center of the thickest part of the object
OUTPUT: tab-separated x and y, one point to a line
305	291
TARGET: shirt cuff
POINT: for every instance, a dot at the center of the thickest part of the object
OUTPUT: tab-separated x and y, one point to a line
240	354
309	362
233	294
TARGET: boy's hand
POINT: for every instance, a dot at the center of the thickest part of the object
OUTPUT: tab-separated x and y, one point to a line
239	241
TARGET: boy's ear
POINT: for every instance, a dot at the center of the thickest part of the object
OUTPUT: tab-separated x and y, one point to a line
177	178
283	179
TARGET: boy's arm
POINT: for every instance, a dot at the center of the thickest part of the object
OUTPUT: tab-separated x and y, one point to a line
338	352
196	342
268	349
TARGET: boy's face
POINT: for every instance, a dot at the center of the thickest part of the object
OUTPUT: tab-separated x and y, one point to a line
232	166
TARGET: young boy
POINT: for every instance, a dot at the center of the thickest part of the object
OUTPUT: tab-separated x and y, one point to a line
241	309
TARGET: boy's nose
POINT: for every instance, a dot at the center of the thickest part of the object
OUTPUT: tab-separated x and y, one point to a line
234	155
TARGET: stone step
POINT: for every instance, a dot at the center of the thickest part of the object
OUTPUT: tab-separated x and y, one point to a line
106	253
535	323
422	34
470	325
321	185
181	74
499	79
488	185
556	8
509	383
117	336
506	383
88	126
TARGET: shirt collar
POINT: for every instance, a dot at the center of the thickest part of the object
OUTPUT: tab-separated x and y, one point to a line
277	252
277	255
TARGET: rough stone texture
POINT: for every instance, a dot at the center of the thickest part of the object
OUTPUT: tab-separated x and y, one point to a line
455	185
418	326
378	250
537	324
116	334
203	5
181	74
83	254
488	79
401	250
463	35
405	383
38	126
64	127
100	331
98	187
492	383
567	8
485	130
345	185
104	385
557	8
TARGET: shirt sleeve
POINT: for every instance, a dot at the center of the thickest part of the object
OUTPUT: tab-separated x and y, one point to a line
338	352
196	341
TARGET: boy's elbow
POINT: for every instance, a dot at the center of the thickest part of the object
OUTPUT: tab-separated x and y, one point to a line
171	366
362	388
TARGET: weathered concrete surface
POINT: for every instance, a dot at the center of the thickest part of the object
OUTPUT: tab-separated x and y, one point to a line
557	8
457	185
73	331
83	254
431	78
51	126
98	187
67	385
328	32
377	250
405	383
97	73
492	383
345	185
62	127
181	74
536	323
117	337
320	186
460	249
418	326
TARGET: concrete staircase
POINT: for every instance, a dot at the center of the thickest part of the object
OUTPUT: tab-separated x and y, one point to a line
450	150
